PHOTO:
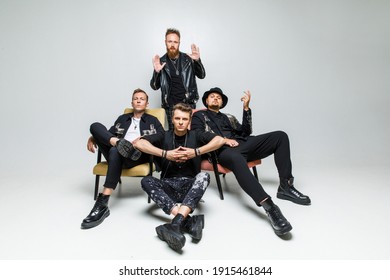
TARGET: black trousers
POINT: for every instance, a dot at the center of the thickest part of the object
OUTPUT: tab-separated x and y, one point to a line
115	161
257	147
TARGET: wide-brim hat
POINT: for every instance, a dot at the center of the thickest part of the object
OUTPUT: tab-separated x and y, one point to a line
215	90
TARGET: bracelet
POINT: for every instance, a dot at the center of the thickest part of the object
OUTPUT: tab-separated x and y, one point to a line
164	153
197	152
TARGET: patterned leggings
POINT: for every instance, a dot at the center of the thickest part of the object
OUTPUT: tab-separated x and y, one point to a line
167	192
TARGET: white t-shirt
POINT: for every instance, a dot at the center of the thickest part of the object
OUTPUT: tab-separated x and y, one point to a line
134	130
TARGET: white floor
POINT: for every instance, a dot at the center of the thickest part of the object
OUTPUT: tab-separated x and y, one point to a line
348	219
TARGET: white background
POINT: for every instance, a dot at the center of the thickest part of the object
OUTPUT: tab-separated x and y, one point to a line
318	70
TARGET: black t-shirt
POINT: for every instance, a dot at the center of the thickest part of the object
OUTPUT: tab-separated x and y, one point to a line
177	90
169	141
223	123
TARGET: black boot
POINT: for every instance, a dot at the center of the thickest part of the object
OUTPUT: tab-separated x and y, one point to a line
98	213
171	233
127	150
278	222
287	191
193	226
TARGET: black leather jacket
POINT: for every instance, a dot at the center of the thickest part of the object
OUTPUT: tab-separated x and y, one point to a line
204	120
189	69
148	125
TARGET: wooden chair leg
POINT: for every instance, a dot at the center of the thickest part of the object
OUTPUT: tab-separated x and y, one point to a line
96	187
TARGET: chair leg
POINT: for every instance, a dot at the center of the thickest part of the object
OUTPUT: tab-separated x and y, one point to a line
216	173
255	172
218	179
96	187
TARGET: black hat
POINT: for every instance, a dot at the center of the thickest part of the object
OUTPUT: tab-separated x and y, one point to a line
216	90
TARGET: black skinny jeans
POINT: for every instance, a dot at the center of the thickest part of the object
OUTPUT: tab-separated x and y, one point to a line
257	147
115	161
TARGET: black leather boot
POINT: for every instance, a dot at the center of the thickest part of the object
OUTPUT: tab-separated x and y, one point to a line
287	191
98	213
193	226
172	234
127	150
278	222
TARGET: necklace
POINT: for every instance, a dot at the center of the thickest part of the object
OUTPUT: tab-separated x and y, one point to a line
136	122
174	141
174	65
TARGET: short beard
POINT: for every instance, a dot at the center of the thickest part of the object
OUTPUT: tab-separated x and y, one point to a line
214	107
172	53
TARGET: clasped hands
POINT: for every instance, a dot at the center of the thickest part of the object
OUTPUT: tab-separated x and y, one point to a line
181	154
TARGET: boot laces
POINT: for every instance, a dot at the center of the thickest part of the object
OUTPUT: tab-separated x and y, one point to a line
295	191
276	214
98	204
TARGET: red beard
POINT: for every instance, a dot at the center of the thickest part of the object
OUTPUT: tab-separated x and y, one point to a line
172	53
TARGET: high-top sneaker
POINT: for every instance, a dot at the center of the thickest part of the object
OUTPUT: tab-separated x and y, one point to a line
287	191
278	222
98	213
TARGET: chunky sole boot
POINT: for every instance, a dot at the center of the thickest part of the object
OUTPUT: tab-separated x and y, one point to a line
127	150
98	213
194	227
296	199
92	224
287	191
168	233
278	222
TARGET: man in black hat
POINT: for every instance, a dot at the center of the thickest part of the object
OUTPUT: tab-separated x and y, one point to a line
241	148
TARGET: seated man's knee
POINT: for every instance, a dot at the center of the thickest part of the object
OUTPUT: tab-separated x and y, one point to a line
281	134
147	182
203	177
94	127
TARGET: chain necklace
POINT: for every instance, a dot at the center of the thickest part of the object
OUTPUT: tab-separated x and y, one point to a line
176	145
174	65
136	122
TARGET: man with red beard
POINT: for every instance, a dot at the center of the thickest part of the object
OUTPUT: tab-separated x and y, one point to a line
175	73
